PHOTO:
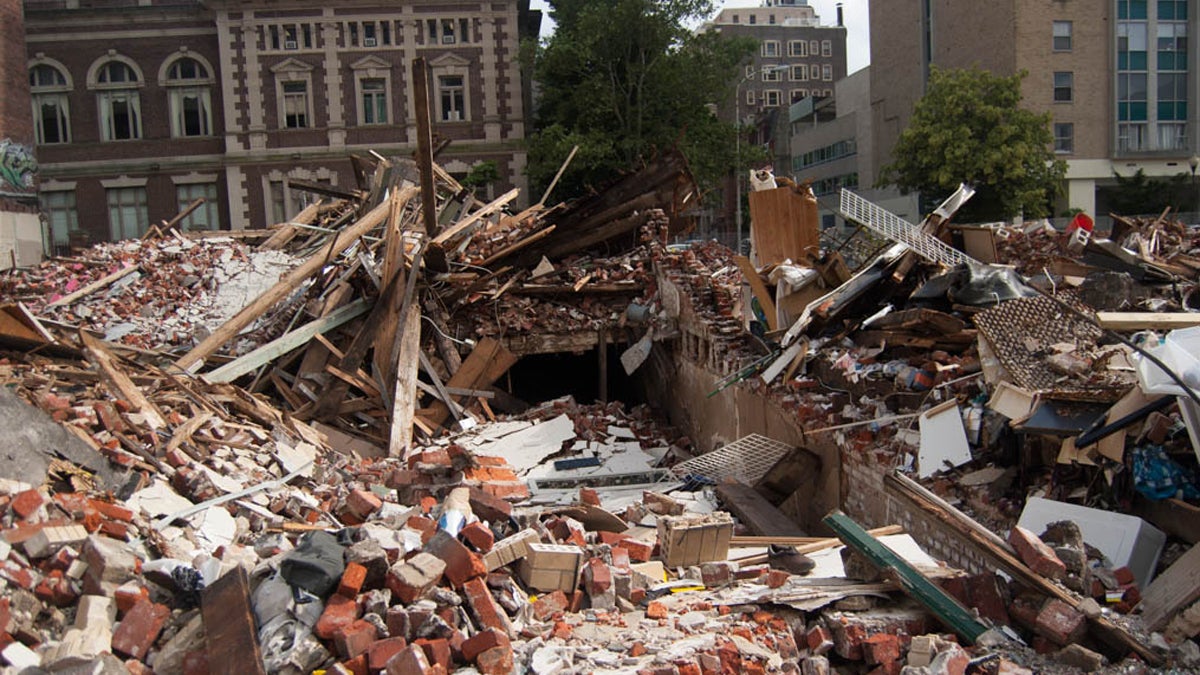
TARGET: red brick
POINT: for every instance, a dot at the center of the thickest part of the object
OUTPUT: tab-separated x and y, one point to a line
484	608
989	596
354	639
479	537
412	578
363	503
352	580
26	503
381	651
1061	623
819	640
597	578
110	510
129	594
436	458
139	629
340	612
550	604
1036	554
731	658
638	551
421	524
108	416
407	477
483	641
777	578
357	665
1124	575
620	559
408	661
488	507
881	648
495	661
398	623
656	610
437	651
589	497
515	491
18	574
196	663
462	564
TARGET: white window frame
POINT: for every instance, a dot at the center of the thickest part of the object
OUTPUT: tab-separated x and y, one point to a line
109	94
826	48
293	71
61	219
207	216
1067	33
772	94
749	97
772	76
770	49
130	195
372	68
51	94
827	72
799	73
448	66
798	48
799	95
180	89
813	47
814	72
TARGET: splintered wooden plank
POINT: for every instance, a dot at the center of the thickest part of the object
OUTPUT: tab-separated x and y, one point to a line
759	289
124	387
1147	320
287	231
1172	591
231	642
94	286
284	287
486	363
404	395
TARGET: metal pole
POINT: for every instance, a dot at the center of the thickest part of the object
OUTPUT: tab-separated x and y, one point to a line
737	163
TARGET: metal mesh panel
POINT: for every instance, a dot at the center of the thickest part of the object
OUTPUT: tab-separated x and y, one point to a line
894	227
747	459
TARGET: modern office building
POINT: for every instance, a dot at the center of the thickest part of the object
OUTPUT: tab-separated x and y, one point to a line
797	57
1116	75
141	107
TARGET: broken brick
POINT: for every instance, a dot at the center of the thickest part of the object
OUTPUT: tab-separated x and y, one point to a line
139	629
340	611
352	580
381	651
483	641
461	564
353	639
1036	554
1061	623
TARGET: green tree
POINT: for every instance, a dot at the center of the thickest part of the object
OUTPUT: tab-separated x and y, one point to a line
969	127
623	79
1140	194
482	174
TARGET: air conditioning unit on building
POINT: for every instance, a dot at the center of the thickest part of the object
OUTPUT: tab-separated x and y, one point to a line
368	42
290	44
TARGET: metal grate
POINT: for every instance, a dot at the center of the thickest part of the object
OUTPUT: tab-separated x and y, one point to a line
747	459
894	227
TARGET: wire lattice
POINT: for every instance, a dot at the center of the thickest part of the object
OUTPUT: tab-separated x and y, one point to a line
894	227
747	459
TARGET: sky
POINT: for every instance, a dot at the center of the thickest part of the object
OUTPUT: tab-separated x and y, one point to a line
858	46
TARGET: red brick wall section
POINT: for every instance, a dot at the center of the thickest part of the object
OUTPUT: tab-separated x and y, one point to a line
18	172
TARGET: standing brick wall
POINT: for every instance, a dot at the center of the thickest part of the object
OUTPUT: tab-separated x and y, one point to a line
16	116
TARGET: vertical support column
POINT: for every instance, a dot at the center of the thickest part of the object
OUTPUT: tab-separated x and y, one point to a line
21	238
420	77
333	83
254	85
490	75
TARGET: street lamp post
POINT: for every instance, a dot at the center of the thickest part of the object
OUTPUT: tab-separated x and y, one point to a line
737	151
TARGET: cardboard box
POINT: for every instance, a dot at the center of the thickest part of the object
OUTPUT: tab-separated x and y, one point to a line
550	567
693	539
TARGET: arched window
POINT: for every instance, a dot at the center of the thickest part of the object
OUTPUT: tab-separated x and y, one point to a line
51	114
189	84
116	83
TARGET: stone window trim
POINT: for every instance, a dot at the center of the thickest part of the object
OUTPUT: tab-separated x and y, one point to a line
164	70
372	68
123	182
93	75
293	70
193	177
450	65
55	185
42	60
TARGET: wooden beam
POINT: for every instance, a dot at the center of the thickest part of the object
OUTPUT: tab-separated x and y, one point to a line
463	226
116	378
94	286
232	640
1126	321
517	246
400	437
282	289
755	512
486	363
1172	591
759	289
288	231
286	343
183	214
420	80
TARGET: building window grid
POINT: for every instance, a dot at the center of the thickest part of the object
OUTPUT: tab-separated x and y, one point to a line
1064	138
289	37
828	153
772	97
772	76
189	98
452	97
1062	36
770	48
51	108
1064	86
827	72
1161	80
119	102
826	48
447	31
374	100
58	207
799	73
295	105
206	216
798	48
127	212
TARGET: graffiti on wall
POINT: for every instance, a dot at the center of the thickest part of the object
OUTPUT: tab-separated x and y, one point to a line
18	170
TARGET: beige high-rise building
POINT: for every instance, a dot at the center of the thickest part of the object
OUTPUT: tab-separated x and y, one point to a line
1114	74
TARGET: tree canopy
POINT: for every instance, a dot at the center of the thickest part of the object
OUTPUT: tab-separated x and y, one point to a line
623	79
969	127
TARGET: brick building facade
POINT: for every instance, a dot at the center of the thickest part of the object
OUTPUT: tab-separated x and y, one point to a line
142	107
